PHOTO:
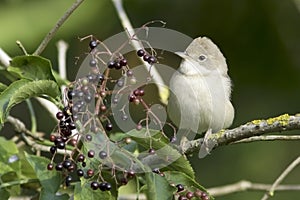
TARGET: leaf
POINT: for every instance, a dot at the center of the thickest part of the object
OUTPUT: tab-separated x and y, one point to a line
9	159
31	68
23	89
50	180
166	156
2	87
84	191
4	194
158	187
177	177
47	195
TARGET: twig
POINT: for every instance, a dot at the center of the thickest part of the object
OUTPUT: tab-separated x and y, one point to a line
158	80
20	45
268	138
282	176
247	185
56	27
255	128
62	48
21	128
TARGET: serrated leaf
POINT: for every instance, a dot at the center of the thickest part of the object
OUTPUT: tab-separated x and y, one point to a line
158	187
50	180
177	177
166	156
23	89
31	68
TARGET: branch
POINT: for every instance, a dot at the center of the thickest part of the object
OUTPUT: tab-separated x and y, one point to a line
56	27
280	178
163	91
21	128
247	185
255	128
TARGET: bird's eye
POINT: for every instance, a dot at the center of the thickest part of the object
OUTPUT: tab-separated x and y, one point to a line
202	57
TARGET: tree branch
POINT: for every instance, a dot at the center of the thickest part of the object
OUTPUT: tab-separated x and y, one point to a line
247	185
56	27
254	128
280	179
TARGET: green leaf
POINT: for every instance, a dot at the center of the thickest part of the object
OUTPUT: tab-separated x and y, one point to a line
2	87
47	195
50	180
177	177
4	194
84	191
158	187
31	68
9	159
23	89
166	155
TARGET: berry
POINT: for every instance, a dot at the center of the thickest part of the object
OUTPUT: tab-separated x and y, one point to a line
59	167
142	92
50	166
123	62
120	83
80	172
136	101
151	60
57	140
102	108
80	158
131	97
180	187
198	193
52	138
71	168
136	92
102	186
124	181
130	174
102	94
151	151
146	57
88	137
93	44
94	185
140	52
93	63
68	180
71	94
91	154
132	80
128	140
100	77
124	117
88	98
173	139
111	64
91	78
61	145
108	126
138	127
83	164
52	149
189	195
108	186
182	198
67	164
72	126
90	172
156	170
102	154
59	115
73	142
117	65
129	73
66	131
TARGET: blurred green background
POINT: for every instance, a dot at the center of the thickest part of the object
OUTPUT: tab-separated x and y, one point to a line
259	38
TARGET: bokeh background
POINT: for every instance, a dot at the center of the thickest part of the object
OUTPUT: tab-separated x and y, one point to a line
259	38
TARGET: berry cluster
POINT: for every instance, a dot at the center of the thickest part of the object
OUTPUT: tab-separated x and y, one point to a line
85	124
185	194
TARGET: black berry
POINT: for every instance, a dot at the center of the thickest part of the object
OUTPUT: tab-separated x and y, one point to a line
80	172
117	65
151	151
59	167
80	158
94	185
61	145
108	126
91	154
111	64
50	166
123	62
52	149
146	57
102	154
67	164
59	115
93	44
151	60
140	52
180	187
